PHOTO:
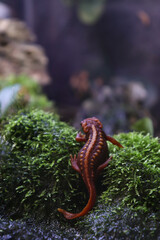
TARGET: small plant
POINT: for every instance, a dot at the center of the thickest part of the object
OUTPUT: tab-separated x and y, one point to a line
88	11
19	92
144	125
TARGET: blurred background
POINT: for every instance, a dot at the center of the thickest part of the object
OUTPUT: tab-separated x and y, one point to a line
83	58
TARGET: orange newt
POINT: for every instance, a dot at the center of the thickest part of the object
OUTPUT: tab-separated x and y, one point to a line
91	159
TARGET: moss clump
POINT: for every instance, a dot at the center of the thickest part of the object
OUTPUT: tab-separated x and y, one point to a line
36	175
134	173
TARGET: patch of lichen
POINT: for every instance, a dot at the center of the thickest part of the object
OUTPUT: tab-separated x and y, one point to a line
134	173
36	175
114	222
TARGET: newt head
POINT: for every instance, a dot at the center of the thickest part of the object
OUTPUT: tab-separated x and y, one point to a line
88	122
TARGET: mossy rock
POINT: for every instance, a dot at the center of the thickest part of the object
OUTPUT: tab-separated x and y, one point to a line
36	175
36	178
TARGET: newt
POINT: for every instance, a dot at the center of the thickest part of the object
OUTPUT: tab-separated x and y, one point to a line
91	160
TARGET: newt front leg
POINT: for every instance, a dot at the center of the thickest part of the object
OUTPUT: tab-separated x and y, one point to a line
74	164
81	137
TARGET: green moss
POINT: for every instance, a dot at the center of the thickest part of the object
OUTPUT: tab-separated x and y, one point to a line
36	176
134	173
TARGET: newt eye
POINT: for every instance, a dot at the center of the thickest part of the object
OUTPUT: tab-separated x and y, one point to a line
84	126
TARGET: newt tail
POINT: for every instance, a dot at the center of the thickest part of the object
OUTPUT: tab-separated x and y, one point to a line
85	210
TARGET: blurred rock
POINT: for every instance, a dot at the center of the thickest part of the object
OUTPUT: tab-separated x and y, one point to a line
15	30
19	54
135	93
118	105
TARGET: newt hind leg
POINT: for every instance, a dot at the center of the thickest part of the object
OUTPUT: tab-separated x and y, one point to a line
103	165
